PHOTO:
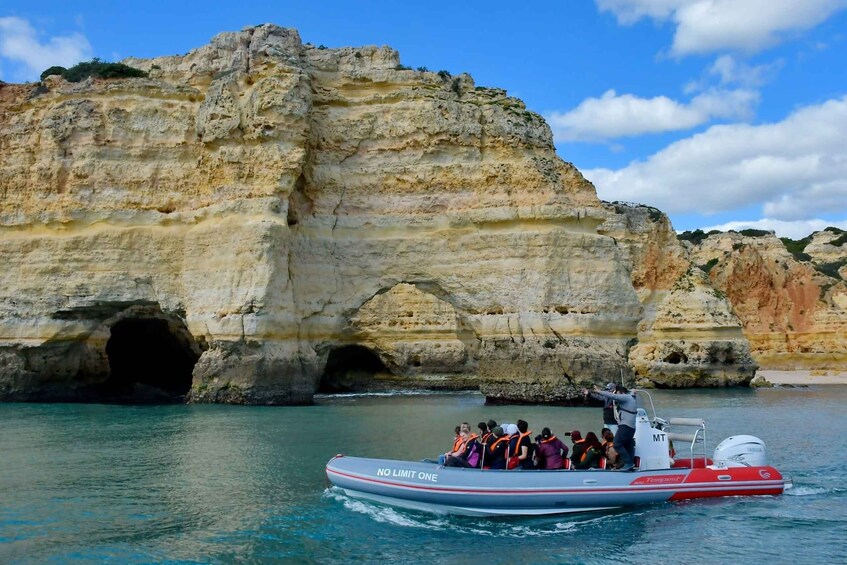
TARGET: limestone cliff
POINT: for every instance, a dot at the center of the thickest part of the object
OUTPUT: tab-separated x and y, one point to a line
793	309
260	218
688	335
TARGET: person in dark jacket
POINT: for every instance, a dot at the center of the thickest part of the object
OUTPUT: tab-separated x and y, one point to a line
591	454
495	452
550	452
523	447
578	447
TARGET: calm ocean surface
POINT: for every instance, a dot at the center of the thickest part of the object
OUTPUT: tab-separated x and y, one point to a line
220	484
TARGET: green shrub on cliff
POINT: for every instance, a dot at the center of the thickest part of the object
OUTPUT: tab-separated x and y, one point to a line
54	70
754	233
797	246
831	269
696	236
94	68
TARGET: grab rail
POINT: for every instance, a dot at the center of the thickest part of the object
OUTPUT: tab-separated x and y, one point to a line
693	438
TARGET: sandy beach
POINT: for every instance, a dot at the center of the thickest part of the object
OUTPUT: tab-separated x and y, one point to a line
804	377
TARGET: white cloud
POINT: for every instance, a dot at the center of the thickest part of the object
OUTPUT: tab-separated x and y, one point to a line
795	230
795	169
612	116
628	12
731	71
20	43
705	26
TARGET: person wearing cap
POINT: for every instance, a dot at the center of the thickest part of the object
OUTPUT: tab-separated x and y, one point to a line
578	447
624	442
610	418
495	452
550	451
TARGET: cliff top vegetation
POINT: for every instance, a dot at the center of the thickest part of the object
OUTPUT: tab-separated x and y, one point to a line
93	68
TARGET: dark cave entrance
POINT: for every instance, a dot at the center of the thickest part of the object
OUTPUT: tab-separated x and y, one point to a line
676	358
150	360
350	369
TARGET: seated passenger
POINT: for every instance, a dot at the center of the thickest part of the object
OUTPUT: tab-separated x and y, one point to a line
495	453
550	452
470	455
511	430
612	457
578	447
591	454
461	432
523	446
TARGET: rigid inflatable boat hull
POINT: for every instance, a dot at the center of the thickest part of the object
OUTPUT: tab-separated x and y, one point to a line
433	488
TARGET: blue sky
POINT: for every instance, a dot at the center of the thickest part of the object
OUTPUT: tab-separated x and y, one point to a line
722	113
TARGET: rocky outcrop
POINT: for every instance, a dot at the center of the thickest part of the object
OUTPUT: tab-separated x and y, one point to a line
693	339
794	312
273	217
688	336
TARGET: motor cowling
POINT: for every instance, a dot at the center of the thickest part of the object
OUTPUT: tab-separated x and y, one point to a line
740	451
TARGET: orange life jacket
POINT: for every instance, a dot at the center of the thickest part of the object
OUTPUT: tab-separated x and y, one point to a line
494	444
518	444
549	439
457	443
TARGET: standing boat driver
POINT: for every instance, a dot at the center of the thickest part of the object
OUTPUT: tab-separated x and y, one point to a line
624	442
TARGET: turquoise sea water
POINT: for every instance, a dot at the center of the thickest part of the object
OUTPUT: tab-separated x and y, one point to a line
220	484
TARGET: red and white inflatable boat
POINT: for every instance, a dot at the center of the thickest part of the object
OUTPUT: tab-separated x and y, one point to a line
738	468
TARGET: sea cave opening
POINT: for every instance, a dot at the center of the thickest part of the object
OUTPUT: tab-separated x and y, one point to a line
350	368
150	361
676	358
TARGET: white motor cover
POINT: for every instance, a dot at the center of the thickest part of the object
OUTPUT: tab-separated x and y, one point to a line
740	451
651	444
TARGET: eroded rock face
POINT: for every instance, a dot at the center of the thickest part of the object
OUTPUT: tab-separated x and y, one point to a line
279	200
794	315
693	339
688	335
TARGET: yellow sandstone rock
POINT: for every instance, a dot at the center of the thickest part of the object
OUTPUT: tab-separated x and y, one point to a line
259	215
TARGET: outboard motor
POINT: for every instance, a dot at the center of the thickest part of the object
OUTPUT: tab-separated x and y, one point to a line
740	451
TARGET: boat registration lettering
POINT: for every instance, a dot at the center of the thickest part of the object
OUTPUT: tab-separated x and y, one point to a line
407	474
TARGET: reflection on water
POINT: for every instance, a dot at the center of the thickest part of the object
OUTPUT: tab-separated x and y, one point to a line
224	483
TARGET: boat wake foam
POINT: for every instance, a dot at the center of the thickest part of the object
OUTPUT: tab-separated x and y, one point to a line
539	527
808	491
